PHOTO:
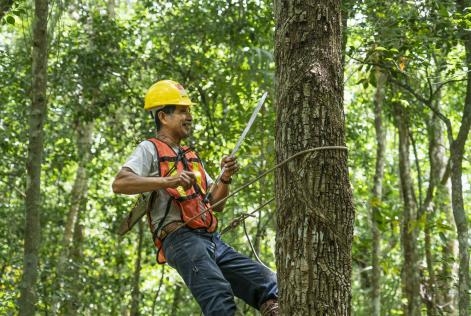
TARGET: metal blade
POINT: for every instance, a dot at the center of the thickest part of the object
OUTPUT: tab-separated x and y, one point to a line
244	133
249	124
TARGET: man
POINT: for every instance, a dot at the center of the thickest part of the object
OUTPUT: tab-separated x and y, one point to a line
181	220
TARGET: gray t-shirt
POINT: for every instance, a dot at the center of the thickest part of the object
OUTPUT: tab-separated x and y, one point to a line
144	162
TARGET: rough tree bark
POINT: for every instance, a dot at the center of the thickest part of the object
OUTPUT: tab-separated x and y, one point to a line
35	153
410	273
315	210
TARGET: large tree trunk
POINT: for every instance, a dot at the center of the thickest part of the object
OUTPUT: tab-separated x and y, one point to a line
35	153
410	273
377	193
315	210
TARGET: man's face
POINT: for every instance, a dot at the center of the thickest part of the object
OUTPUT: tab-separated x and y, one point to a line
179	122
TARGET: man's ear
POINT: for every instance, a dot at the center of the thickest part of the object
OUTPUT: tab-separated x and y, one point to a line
161	115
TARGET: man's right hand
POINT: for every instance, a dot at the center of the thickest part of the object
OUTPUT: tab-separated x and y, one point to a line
186	179
127	182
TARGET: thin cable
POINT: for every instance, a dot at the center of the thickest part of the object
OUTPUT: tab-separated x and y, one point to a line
252	247
242	217
259	177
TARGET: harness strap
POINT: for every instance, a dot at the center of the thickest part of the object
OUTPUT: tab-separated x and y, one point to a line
195	185
161	223
179	157
187	197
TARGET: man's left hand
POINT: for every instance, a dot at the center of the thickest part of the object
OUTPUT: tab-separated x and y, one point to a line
230	166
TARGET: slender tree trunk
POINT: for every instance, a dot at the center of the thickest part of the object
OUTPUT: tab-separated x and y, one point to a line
410	274
429	209
449	268
78	195
377	193
429	295
445	281
346	9
426	210
157	292
122	307
111	6
461	221
38	114
72	304
457	152
73	236
136	295
177	297
315	210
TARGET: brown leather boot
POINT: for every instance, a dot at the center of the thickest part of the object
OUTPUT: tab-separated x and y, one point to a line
270	308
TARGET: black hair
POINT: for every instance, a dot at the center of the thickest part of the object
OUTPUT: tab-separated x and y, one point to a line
168	109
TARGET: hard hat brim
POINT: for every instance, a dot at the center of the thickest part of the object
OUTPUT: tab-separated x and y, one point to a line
160	107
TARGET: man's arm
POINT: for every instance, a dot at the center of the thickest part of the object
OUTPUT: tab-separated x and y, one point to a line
127	182
221	190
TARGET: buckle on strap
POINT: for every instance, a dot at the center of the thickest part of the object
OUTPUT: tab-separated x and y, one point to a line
169	228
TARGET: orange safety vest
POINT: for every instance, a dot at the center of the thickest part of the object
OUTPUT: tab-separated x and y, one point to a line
189	201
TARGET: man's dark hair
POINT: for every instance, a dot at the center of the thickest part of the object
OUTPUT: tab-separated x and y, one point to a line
168	109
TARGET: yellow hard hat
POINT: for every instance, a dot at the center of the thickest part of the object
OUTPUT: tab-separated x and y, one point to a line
166	92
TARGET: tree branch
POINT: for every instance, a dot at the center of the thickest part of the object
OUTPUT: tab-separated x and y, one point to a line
427	103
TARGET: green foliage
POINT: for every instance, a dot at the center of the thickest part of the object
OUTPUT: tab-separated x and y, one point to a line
416	45
12	11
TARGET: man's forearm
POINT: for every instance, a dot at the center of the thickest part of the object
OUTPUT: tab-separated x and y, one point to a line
220	192
127	182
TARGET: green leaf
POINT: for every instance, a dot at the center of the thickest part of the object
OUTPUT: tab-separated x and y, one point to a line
380	49
10	19
444	12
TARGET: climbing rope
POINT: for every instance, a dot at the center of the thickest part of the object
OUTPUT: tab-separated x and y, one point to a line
258	178
251	246
235	222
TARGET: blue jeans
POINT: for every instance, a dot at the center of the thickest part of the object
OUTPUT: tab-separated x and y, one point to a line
214	272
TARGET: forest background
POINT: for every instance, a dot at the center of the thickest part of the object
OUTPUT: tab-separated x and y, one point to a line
103	55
